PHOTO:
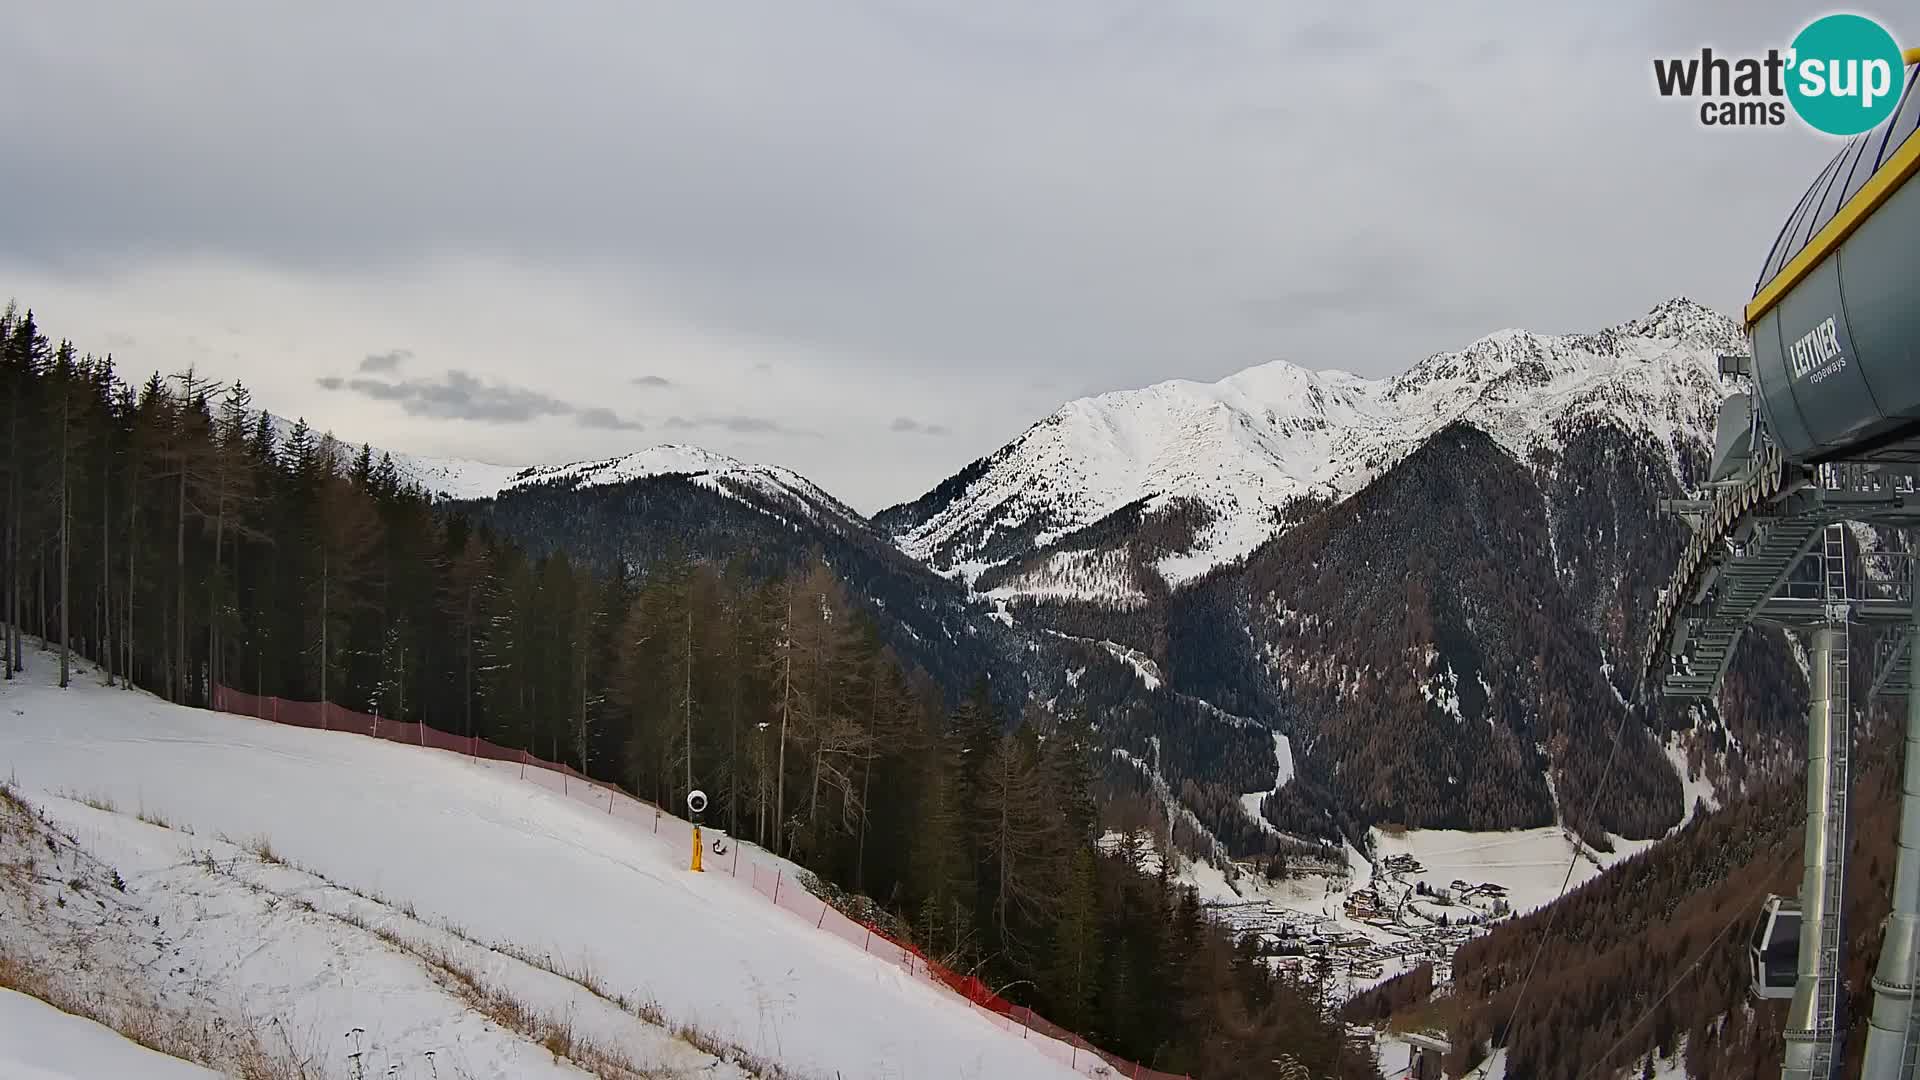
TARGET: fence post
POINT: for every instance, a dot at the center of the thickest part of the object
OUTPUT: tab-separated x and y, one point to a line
656	821
864	945
776	884
736	857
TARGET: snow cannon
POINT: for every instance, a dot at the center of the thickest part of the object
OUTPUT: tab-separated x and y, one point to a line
1835	316
696	805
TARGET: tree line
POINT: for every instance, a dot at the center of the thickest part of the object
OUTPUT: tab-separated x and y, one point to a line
181	539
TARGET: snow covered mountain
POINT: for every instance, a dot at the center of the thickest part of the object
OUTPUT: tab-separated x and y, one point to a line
1220	467
464	479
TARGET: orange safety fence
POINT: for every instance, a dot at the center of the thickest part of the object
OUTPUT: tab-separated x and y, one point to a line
771	881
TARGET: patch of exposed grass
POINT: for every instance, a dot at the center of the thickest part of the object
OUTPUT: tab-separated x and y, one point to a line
98	802
11	800
205	1040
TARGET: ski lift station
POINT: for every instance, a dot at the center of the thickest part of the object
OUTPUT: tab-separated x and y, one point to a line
1825	436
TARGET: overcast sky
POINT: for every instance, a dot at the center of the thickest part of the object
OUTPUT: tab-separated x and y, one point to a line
869	240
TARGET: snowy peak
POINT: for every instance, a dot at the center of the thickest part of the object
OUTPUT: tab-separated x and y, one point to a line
663	460
461	479
1227	458
727	475
1689	323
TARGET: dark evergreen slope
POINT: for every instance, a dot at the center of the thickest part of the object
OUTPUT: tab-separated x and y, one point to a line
1443	672
926	618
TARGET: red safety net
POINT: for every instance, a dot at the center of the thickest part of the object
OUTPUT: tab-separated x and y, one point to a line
760	870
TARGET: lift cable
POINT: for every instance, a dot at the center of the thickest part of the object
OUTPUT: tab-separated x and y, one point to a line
1553	907
1739	911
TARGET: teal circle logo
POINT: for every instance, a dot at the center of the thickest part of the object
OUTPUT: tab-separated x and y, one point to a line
1845	74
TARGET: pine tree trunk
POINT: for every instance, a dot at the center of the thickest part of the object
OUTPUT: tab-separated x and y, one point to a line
6	603
133	520
470	591
180	585
687	685
323	636
733	726
10	643
786	710
213	589
106	563
866	784
66	515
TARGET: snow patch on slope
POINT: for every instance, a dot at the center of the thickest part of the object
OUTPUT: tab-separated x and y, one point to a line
1283	758
39	1042
1142	664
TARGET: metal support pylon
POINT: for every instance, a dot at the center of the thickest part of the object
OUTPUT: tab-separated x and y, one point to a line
1815	1026
1893	1036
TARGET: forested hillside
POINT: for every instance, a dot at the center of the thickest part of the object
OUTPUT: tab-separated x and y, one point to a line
165	531
1650	959
928	619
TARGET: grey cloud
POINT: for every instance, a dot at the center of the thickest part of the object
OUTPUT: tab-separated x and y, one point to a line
1328	37
652	381
1524	180
457	395
1194	207
330	382
607	419
386	361
738	425
909	426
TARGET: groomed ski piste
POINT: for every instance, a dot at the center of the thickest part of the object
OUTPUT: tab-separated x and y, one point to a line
323	895
39	1042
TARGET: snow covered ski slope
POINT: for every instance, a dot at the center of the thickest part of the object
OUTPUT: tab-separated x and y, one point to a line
39	1042
451	842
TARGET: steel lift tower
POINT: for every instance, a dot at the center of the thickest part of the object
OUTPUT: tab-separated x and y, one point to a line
1826	438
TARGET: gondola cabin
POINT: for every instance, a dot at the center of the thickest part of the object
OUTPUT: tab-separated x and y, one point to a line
1774	955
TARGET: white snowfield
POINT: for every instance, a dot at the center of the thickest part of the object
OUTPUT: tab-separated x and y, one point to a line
1530	864
466	845
1246	444
39	1042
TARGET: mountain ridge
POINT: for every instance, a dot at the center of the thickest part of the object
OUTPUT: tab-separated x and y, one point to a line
1244	447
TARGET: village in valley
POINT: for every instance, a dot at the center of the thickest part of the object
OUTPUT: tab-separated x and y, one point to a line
1354	925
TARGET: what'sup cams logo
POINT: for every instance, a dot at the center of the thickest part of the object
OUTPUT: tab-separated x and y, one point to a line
1842	75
